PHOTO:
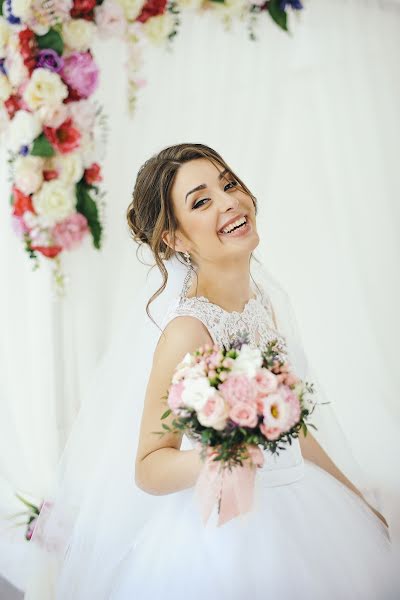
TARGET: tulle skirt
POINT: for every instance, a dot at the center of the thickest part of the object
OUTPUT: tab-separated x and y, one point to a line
310	539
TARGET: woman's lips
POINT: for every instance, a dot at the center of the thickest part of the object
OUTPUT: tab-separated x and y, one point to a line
240	231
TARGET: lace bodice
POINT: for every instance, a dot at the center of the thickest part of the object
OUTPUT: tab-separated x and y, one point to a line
256	320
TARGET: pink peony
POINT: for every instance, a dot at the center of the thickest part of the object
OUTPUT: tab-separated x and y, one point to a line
244	414
81	73
214	412
238	388
69	232
175	401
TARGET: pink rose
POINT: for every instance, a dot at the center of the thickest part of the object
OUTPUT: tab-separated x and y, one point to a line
214	412
238	388
271	433
175	401
244	414
81	73
69	232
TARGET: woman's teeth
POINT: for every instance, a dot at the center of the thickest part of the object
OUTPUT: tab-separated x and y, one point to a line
234	226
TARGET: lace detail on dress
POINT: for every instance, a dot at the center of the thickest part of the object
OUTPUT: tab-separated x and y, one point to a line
256	320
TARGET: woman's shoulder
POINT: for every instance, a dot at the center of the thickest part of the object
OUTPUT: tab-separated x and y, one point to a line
183	333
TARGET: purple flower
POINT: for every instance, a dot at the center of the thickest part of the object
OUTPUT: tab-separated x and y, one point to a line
81	73
24	150
2	67
295	4
12	19
49	59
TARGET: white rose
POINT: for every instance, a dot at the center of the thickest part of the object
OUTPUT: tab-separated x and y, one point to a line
55	201
21	8
158	28
196	392
131	8
78	34
53	116
214	412
4	35
69	166
44	88
17	72
249	360
24	128
188	371
5	88
28	173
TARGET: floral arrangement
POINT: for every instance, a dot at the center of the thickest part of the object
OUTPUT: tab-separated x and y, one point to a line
232	402
47	78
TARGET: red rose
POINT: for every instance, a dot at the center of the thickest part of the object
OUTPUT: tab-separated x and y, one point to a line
82	8
22	203
49	175
65	138
152	8
49	251
93	174
28	47
73	95
13	104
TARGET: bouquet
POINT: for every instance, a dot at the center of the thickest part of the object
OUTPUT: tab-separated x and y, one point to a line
235	402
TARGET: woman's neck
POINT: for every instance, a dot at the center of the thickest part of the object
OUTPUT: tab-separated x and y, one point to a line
229	288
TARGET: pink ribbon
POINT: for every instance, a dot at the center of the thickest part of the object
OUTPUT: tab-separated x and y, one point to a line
232	489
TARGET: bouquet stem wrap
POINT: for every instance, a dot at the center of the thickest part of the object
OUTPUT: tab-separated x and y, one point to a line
231	487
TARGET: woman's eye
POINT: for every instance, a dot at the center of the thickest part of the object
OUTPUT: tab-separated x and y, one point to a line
233	183
199	202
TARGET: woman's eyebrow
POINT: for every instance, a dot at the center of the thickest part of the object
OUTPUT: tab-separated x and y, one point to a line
203	185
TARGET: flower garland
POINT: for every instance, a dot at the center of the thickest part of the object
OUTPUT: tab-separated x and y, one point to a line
47	78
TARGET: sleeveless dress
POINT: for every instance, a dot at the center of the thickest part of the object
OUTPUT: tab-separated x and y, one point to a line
307	537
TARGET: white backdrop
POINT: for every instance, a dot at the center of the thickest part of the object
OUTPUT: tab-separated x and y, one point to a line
311	123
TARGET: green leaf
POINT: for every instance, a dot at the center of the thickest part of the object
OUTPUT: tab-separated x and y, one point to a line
88	208
1	7
166	414
164	426
277	14
42	147
12	199
52	39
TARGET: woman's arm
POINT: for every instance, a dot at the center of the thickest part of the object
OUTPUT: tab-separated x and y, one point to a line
161	467
312	451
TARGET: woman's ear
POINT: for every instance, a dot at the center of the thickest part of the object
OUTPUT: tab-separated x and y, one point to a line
179	244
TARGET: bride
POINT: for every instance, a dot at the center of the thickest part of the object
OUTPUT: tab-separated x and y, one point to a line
123	522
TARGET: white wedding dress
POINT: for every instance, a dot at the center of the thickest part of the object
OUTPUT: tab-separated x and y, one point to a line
308	536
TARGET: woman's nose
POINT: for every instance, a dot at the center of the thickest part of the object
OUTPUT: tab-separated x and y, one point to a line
228	201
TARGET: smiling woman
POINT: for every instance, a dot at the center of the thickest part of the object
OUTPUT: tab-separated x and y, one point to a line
182	200
141	534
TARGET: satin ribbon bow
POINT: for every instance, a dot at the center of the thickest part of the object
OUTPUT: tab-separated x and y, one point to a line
232	489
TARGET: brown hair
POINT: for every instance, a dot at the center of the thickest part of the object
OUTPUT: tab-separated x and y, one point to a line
150	212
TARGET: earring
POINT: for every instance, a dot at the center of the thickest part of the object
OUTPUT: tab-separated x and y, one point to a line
188	276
